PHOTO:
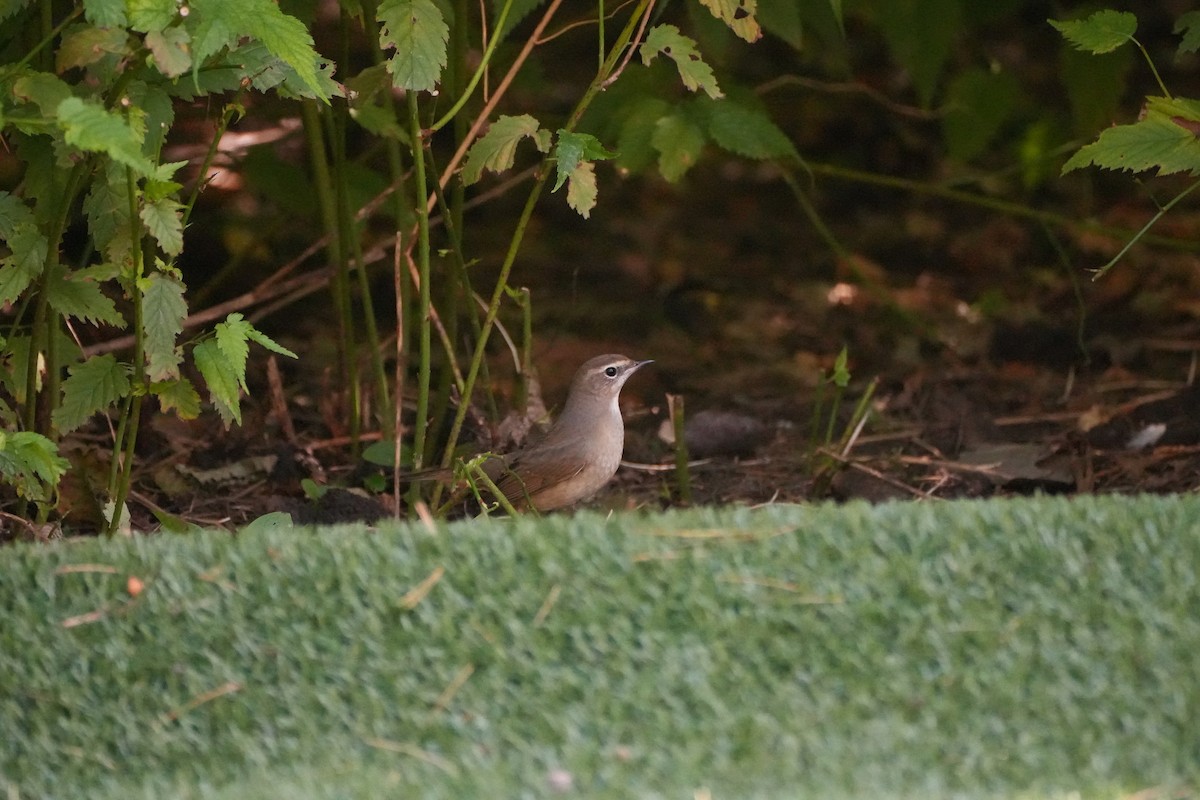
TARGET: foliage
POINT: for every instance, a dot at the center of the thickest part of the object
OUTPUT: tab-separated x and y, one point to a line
89	97
86	110
787	651
1164	138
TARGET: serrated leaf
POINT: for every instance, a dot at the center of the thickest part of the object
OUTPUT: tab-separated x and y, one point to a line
107	209
1156	142
418	33
12	211
222	381
258	337
31	463
1189	26
44	90
163	312
92	386
170	50
739	15
89	126
581	188
25	261
105	13
978	103
216	24
177	395
151	15
573	148
694	73
74	296
85	45
288	39
746	130
232	340
635	139
1102	32
164	220
679	142
496	150
783	19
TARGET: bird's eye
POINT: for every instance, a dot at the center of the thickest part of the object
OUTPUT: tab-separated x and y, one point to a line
610	372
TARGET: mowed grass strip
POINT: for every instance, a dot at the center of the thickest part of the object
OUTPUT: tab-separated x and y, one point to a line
1027	648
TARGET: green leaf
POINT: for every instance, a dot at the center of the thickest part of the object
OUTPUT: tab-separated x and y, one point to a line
31	464
371	104
170	50
288	39
516	12
497	149
105	13
1189	26
73	295
1095	85
418	33
573	148
258	337
85	45
25	261
89	126
221	378
739	15
232	341
836	7
679	141
216	24
177	395
44	90
164	220
151	15
94	385
978	103
163	312
920	34
581	190
1102	32
783	19
696	74
635	146
12	212
1165	140
107	210
745	130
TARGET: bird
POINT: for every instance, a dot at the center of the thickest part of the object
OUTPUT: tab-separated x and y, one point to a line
580	453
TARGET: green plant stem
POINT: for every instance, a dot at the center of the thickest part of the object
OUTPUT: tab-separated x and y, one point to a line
1141	234
50	33
339	285
480	71
424	340
683	475
42	326
231	109
991	203
510	257
814	218
1153	69
131	413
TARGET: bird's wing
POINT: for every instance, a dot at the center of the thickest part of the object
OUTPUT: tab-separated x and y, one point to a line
523	475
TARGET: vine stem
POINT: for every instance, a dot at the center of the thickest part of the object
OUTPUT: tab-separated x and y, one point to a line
489	319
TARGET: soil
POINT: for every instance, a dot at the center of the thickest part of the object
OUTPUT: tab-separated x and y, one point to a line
978	363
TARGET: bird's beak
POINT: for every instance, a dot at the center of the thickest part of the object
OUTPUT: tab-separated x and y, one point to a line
639	364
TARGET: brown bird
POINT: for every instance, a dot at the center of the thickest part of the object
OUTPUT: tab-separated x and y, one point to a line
581	452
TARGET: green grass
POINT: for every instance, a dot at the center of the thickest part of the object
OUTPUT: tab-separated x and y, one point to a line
984	649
